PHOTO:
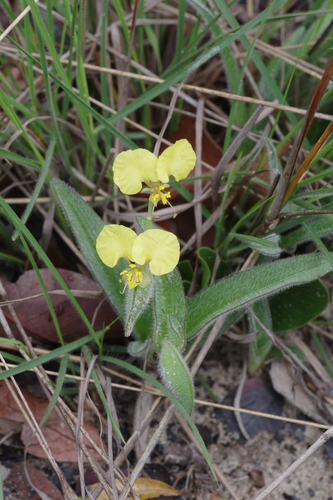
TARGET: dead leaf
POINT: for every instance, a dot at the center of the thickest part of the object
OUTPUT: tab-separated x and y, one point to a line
60	441
287	380
258	395
7	426
257	477
35	315
18	486
145	489
57	435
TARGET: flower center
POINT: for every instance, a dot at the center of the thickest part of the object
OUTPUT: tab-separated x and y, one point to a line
159	194
135	275
132	275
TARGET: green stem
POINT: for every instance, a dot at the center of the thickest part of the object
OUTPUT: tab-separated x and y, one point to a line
150	214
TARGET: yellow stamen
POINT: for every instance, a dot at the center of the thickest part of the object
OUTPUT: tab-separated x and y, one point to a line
159	195
132	276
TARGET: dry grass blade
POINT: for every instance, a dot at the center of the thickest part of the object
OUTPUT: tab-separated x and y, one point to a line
305	456
230	153
306	163
63	410
290	165
129	446
35	429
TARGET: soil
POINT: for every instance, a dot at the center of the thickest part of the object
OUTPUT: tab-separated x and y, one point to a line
249	465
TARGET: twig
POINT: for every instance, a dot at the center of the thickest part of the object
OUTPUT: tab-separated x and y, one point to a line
218	471
216	178
307	454
237	402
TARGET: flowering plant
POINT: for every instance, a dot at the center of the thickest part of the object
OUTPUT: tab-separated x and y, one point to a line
139	275
152	254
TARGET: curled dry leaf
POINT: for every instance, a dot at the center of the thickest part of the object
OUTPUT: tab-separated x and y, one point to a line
35	315
288	381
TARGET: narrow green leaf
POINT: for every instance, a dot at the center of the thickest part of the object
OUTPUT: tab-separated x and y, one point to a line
60	382
248	286
170	310
260	347
45	358
86	226
319	226
21	160
38	187
266	246
175	375
137	300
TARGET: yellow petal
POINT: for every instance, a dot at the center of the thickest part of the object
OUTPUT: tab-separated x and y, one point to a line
158	248
132	168
114	242
177	160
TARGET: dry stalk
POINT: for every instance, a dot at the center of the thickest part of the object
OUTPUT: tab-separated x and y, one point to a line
33	424
294	466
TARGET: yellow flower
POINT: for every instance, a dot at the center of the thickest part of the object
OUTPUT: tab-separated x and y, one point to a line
133	168
152	252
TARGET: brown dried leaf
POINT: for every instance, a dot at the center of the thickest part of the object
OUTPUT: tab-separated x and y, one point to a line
60	441
35	316
7	426
57	435
18	487
288	382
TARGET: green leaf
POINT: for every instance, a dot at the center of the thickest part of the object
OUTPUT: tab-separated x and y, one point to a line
170	310
319	225
139	348
58	388
186	270
260	347
276	353
169	304
25	366
21	160
266	246
86	226
137	300
175	375
207	257
246	287
297	306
